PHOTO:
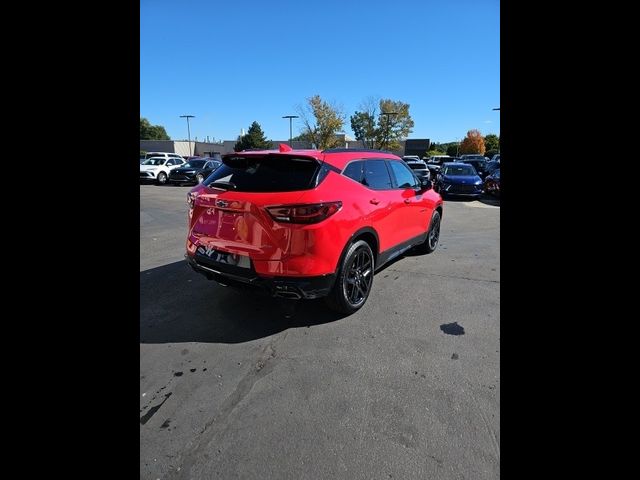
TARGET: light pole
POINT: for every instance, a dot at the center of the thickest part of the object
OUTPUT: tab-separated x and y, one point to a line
386	136
188	130
290	117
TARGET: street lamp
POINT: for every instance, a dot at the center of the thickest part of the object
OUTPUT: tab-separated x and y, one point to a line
290	117
188	130
386	137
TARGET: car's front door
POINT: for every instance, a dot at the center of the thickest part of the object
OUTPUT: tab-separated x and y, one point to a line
415	211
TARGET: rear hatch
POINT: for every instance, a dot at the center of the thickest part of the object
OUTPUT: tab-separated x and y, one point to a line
229	212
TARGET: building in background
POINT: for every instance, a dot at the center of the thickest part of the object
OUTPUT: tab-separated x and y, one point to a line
417	146
410	146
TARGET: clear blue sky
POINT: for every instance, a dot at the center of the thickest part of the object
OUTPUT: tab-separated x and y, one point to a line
232	62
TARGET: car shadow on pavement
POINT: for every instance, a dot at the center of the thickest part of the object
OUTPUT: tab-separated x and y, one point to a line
180	305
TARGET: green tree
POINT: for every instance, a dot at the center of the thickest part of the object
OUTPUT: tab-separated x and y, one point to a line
363	122
436	149
492	142
452	149
385	131
393	128
152	132
254	138
473	143
321	121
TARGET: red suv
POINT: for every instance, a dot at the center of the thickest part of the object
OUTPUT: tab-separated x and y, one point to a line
306	223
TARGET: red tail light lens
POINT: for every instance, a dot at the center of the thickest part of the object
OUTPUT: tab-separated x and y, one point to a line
306	214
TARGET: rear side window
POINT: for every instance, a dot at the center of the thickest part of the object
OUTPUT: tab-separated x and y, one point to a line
376	176
269	173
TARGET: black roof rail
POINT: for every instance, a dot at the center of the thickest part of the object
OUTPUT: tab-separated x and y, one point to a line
342	150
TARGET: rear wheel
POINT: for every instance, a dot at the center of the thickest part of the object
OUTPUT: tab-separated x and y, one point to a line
433	235
354	280
162	178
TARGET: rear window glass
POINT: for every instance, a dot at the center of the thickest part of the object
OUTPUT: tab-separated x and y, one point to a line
271	173
417	166
462	169
154	161
195	164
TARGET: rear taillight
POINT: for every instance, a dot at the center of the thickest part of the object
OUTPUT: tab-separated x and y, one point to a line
306	214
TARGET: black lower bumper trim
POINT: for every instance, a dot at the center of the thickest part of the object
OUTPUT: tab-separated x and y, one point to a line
283	287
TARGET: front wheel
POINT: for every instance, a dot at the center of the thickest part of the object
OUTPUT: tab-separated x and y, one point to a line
199	178
354	280
162	178
433	235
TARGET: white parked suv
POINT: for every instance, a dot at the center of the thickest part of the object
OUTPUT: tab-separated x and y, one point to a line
157	168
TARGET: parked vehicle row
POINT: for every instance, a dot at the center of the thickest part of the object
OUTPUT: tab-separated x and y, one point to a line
194	171
462	181
484	176
174	169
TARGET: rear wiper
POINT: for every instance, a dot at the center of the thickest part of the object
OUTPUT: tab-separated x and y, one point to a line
223	185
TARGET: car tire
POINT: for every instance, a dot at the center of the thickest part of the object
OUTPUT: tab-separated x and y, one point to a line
199	178
433	234
354	279
162	178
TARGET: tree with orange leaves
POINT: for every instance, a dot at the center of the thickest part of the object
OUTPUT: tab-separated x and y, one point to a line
473	143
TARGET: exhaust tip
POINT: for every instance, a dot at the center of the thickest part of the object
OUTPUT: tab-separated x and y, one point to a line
287	292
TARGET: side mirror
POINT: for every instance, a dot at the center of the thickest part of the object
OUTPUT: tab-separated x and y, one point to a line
425	183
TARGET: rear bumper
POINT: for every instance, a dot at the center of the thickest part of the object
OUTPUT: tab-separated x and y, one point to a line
278	286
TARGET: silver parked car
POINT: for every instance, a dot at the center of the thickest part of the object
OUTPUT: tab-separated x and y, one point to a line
418	166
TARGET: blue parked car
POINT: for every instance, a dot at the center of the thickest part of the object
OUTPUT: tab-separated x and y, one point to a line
458	179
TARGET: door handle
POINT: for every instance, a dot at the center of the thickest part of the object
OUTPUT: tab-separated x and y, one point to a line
407	200
375	201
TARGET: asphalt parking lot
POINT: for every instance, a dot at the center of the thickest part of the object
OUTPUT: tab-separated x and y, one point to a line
231	386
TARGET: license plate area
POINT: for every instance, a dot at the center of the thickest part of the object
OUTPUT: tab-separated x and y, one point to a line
223	258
